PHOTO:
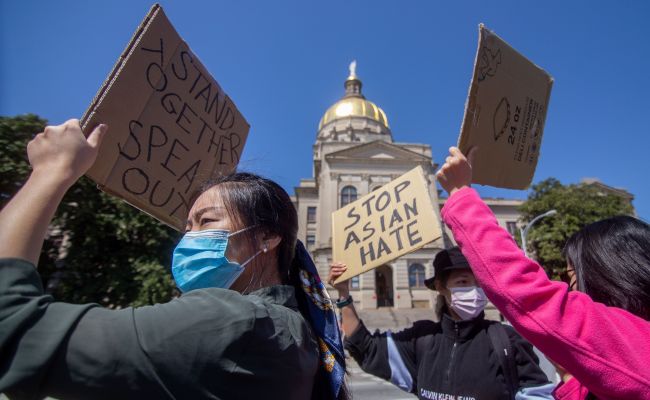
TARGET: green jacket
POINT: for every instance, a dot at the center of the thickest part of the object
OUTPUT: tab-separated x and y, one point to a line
207	344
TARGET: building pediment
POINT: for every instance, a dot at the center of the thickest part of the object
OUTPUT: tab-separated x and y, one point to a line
377	150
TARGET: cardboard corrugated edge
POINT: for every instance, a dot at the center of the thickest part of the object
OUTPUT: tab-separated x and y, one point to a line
470	104
117	67
104	89
103	92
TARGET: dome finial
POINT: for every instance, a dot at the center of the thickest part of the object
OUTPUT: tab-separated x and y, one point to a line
353	84
353	70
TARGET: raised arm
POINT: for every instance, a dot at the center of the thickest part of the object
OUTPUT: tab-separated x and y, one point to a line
59	156
605	348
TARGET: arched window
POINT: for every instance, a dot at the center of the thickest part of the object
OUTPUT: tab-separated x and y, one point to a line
416	276
348	195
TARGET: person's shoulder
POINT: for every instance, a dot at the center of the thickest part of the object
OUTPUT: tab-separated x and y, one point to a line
419	329
212	307
426	325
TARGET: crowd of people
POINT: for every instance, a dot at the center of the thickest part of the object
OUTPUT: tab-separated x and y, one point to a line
255	319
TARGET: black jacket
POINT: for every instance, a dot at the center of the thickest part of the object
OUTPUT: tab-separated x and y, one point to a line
445	359
207	344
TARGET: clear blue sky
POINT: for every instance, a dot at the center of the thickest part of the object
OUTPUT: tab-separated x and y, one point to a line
284	62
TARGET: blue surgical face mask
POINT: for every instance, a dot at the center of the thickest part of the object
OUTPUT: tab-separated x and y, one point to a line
200	260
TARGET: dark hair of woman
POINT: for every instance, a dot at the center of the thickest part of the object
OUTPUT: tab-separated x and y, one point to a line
611	259
251	200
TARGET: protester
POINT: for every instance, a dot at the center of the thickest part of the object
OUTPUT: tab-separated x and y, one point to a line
254	320
599	334
461	357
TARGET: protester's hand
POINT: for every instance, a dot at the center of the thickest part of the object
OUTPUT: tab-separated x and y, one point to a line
337	269
63	153
456	173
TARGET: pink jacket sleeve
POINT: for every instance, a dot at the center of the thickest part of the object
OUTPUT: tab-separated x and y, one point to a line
607	349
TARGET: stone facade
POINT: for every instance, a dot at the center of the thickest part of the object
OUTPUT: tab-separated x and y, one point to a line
354	154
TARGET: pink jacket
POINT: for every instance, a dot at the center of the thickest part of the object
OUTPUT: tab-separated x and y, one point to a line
606	349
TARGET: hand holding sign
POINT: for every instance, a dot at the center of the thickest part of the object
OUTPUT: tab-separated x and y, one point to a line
336	270
456	173
63	153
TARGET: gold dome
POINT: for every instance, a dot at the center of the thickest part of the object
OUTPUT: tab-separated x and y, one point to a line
353	104
354	107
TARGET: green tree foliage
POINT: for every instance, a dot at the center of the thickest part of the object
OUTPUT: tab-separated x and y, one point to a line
577	205
99	249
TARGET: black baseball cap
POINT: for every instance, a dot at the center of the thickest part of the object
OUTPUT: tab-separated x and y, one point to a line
446	260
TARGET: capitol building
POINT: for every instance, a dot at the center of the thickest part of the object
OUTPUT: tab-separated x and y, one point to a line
355	153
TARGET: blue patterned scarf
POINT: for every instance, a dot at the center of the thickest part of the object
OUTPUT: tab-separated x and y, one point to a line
317	307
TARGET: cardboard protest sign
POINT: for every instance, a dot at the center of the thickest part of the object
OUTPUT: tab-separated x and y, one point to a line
171	126
384	224
504	114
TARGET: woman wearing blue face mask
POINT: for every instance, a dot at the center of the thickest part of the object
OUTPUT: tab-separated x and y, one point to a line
461	356
254	320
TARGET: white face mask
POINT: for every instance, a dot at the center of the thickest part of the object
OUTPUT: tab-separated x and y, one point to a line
468	302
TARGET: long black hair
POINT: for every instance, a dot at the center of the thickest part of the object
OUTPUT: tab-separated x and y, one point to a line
611	259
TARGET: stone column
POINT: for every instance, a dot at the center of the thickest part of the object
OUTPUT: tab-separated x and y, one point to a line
402	294
368	294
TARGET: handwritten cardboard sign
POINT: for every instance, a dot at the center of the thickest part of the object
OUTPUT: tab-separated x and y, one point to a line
505	114
385	224
171	126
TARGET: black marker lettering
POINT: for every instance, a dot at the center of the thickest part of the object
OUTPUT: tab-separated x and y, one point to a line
367	204
382	247
190	174
369	230
352	238
396	232
352	214
162	59
395	219
413	240
163	134
383	195
408	210
158	87
184	54
129	181
399	188
363	254
123	153
172	154
168	104
235	141
153	194
183	116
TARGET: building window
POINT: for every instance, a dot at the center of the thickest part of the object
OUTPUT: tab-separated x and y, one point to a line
311	240
348	195
355	282
416	276
311	214
511	226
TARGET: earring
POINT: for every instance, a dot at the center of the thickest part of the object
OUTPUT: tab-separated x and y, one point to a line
266	247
